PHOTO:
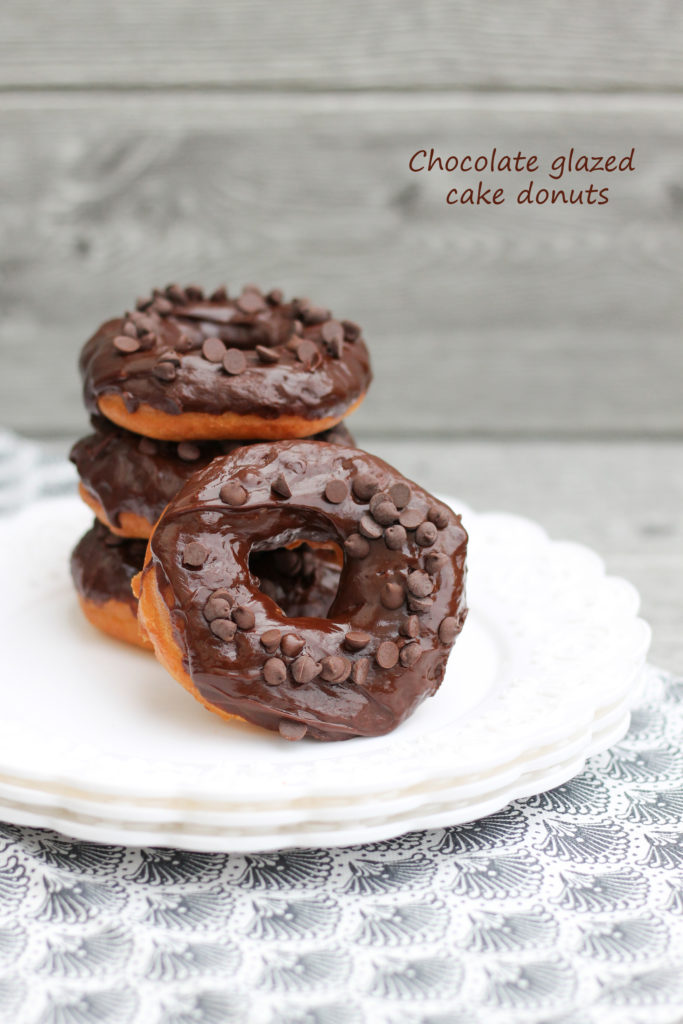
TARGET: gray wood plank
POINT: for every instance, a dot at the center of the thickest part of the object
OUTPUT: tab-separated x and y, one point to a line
518	44
544	321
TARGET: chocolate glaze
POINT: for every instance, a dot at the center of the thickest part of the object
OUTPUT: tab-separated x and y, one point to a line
323	380
126	473
102	566
378	593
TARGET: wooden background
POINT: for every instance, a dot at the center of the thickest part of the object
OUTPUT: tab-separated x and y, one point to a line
145	142
529	359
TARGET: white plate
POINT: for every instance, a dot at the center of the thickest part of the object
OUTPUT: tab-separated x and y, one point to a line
551	648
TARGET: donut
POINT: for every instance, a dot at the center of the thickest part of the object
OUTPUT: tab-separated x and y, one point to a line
128	480
102	567
182	367
381	649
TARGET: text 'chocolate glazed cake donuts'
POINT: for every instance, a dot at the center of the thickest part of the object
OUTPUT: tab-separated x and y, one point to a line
384	643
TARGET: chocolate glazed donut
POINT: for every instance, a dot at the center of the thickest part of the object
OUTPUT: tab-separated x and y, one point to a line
128	480
384	644
183	367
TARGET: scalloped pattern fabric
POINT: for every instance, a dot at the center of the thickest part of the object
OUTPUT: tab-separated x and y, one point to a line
566	908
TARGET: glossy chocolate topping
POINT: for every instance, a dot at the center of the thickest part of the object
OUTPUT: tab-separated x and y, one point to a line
384	644
102	566
181	352
125	472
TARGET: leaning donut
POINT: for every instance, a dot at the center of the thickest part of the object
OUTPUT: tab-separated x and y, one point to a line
128	480
182	367
102	567
384	644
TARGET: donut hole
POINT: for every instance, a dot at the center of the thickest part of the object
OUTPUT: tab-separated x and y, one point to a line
302	579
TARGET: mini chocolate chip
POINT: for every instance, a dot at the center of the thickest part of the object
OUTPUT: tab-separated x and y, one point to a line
369	527
267	355
275	671
183	343
411	518
148	341
233	493
220	294
194	292
217	608
435	560
275	296
314	315
176	293
164	371
163	306
379	498
419	604
290	730
224	594
419	583
243	616
336	491
410	655
281	487
195	554
359	672
224	628
410	627
147	446
298	327
356	546
400	494
386	513
332	330
188	452
292	645
332	334
251	301
448	629
213	349
387	654
271	640
145	324
308	354
125	344
304	669
351	330
356	640
395	537
426	534
438	516
234	362
130	330
143	302
335	669
364	486
392	595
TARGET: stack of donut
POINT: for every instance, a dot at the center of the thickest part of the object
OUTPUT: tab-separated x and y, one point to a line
282	575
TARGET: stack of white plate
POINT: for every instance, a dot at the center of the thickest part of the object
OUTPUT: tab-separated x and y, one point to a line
96	740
